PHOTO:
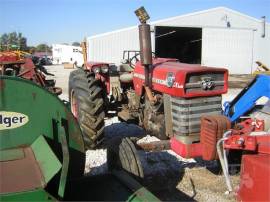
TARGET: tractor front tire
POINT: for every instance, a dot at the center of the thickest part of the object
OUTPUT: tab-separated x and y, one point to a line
122	154
87	105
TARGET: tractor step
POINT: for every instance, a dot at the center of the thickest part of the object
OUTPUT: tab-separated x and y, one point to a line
155	146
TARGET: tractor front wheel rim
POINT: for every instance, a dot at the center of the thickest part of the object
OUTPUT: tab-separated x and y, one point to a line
74	105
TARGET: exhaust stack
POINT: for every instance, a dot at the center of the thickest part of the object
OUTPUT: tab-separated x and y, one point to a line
145	44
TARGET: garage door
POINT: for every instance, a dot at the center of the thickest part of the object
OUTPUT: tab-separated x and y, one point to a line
230	48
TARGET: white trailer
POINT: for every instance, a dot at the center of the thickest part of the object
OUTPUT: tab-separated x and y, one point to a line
67	54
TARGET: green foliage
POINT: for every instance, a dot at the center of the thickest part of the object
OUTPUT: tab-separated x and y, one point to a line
31	49
76	43
43	48
13	41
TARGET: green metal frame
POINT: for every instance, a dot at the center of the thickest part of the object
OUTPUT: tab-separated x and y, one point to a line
50	130
35	195
42	109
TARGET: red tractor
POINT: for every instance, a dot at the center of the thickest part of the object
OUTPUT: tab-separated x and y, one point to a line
166	97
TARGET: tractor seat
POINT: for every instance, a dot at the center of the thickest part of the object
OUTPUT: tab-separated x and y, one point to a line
19	171
125	73
126	77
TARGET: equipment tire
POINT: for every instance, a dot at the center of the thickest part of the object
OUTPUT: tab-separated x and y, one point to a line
87	105
122	154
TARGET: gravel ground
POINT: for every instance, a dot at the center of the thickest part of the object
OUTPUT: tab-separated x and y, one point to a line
171	177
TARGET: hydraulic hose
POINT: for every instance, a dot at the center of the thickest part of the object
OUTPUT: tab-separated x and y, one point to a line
223	160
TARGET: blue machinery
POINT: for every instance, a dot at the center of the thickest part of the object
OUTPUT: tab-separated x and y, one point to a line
247	98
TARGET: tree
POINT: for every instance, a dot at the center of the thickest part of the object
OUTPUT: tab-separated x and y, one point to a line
4	42
31	49
76	43
43	48
22	42
13	41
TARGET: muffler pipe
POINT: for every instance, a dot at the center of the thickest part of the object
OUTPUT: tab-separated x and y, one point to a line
146	51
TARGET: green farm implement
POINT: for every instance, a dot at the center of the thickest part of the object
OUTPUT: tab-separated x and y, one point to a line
42	154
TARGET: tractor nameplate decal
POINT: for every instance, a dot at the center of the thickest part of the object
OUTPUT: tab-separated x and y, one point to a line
158	81
10	120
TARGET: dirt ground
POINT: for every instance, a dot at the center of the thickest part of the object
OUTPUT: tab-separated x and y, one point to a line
167	175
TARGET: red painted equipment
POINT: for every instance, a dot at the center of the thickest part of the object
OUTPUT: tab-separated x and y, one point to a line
191	150
212	129
255	175
14	63
183	86
255	168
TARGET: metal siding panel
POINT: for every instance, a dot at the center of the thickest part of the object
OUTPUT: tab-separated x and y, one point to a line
229	48
214	17
109	48
262	47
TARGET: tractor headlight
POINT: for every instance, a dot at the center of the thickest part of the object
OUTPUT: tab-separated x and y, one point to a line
96	70
104	69
170	79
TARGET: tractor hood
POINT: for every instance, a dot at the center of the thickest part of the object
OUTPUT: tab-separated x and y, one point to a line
180	79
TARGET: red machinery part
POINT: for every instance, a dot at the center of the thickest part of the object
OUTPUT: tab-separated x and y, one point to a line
99	76
25	68
249	125
212	129
255	178
186	150
8	57
255	168
181	73
259	144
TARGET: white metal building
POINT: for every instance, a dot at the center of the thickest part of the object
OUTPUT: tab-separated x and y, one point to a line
218	37
62	53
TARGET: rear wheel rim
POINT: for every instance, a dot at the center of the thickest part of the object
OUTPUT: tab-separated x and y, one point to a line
74	105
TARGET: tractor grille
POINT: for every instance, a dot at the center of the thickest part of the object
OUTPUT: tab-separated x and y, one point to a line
194	82
186	113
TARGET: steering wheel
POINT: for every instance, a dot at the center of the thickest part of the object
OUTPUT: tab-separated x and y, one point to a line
136	58
132	61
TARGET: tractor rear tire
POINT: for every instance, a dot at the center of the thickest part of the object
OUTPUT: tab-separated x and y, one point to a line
87	105
122	154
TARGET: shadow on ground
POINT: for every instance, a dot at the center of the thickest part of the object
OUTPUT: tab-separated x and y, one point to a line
162	170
